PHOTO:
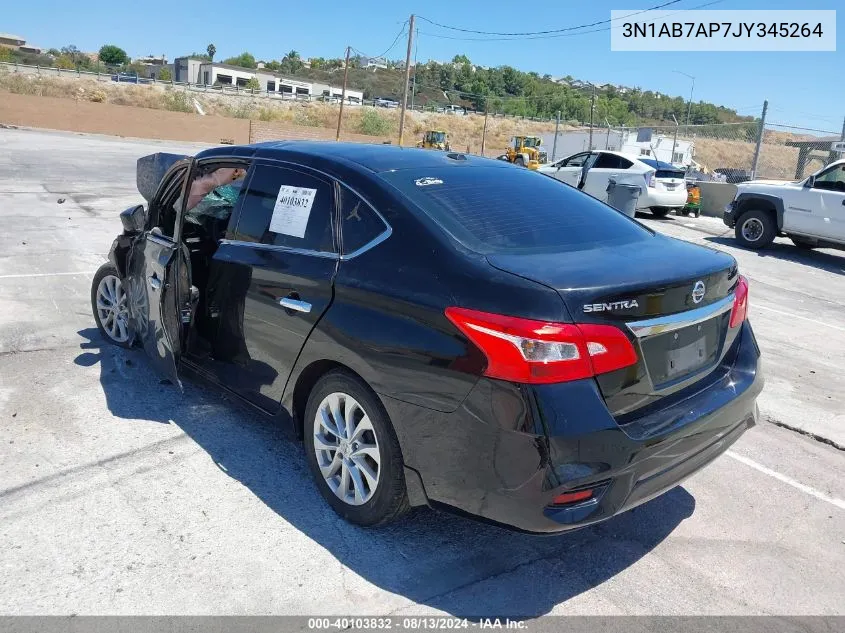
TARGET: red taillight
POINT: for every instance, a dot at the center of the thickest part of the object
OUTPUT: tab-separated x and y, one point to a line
651	179
572	497
740	309
537	352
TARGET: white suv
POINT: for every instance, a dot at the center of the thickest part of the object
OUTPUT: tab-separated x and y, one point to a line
662	186
811	212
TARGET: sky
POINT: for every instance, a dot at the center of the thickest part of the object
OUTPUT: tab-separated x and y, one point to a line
803	89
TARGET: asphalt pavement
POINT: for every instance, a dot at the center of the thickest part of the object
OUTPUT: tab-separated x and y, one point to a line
121	495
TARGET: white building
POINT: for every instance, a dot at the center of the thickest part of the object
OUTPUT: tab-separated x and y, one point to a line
372	63
659	147
197	71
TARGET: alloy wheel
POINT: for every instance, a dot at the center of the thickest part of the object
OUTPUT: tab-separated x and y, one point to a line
112	308
347	448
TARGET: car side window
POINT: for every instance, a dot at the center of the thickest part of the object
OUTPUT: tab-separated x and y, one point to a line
289	208
831	180
169	204
611	161
577	160
359	224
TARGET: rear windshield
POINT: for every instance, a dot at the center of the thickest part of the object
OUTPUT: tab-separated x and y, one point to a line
495	209
664	170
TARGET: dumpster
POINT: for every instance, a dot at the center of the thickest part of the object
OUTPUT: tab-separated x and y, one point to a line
623	197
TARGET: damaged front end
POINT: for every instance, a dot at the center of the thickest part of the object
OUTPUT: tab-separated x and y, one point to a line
150	171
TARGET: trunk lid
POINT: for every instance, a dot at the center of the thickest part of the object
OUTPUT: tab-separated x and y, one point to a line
653	292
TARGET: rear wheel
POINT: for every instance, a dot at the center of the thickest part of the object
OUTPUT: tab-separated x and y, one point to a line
519	162
110	305
755	229
660	212
353	451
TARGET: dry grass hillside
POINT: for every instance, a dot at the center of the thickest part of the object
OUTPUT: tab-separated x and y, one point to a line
465	131
777	160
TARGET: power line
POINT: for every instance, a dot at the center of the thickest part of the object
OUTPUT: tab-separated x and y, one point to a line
389	48
544	35
569	28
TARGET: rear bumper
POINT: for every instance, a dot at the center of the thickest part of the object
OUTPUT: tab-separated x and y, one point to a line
653	198
509	450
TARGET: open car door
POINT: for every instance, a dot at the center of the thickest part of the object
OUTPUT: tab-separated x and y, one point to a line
157	275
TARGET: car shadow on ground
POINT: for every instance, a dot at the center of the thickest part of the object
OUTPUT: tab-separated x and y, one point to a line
791	253
450	563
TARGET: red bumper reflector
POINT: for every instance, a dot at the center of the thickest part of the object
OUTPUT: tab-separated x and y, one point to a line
572	497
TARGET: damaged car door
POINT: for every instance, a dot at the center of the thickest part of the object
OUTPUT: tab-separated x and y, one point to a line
157	275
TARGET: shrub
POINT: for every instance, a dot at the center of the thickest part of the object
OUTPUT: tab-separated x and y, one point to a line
177	101
373	124
164	74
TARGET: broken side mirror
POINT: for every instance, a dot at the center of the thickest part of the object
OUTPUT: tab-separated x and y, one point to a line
134	219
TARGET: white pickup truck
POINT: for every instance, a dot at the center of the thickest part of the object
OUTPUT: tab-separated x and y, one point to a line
811	212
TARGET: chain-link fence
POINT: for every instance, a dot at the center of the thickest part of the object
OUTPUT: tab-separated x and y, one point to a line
788	152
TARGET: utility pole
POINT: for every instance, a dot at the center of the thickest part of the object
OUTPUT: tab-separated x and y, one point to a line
414	87
557	127
607	138
484	132
675	140
407	78
759	140
343	94
592	108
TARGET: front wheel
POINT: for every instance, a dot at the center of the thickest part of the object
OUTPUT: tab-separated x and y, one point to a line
755	229
110	305
660	212
519	162
353	451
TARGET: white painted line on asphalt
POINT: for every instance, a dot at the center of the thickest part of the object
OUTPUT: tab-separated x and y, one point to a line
26	275
839	503
798	316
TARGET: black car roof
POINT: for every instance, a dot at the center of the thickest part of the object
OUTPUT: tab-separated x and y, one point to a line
374	158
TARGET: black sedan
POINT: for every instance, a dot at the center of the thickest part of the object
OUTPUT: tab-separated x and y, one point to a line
440	329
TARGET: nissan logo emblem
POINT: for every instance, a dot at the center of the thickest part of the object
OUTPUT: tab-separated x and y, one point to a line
698	291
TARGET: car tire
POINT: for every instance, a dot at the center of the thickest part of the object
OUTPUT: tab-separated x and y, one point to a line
519	162
109	304
805	243
348	489
755	229
660	212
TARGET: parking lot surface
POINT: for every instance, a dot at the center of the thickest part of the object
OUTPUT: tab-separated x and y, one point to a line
121	495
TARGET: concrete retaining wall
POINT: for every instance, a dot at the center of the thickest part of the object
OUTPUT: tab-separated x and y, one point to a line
715	196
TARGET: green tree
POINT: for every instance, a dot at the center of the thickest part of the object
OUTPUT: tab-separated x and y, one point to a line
113	55
461	59
253	84
211	49
164	74
65	62
292	62
244	60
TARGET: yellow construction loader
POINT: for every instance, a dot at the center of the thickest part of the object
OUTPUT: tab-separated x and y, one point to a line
435	139
526	151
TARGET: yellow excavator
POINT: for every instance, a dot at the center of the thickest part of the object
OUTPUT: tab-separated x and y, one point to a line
435	139
526	151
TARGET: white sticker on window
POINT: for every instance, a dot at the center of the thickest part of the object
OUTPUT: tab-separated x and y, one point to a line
292	210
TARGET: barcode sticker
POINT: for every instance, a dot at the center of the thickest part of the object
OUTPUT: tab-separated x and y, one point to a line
292	210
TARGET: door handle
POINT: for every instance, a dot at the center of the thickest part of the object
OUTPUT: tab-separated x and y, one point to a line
155	282
289	303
